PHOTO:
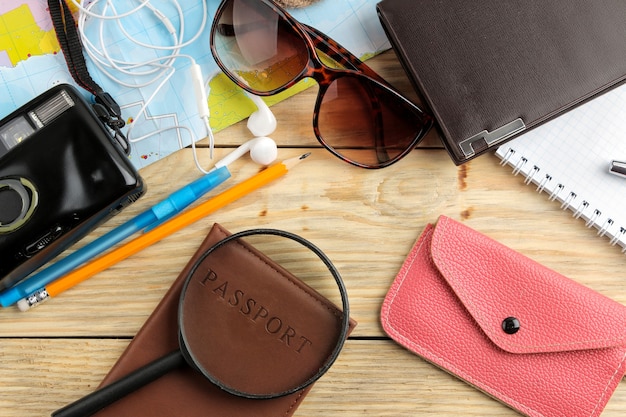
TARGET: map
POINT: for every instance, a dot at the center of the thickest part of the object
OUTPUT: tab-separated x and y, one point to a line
160	106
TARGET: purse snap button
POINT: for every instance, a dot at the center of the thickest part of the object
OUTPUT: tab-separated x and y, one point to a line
510	325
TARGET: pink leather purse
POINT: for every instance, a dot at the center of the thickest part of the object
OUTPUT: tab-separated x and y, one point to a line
524	334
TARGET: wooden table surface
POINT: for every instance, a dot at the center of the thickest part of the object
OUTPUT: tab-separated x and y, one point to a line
364	220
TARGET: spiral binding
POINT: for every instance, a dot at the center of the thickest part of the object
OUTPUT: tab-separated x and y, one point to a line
569	200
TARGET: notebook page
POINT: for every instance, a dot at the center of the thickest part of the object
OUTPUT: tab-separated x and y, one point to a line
569	158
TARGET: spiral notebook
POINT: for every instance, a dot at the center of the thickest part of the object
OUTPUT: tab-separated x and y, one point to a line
569	158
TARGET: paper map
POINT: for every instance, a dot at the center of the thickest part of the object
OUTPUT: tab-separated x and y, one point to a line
31	63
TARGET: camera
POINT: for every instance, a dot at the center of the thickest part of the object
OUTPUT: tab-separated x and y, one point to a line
62	174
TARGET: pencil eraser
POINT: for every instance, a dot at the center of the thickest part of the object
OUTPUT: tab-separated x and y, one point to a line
23	305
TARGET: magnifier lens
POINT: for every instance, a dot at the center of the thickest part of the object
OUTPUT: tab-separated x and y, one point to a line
250	326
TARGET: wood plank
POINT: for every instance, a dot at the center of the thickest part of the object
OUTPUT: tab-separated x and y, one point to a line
370	377
366	222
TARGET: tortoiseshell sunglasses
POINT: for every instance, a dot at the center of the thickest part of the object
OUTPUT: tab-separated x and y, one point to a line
358	116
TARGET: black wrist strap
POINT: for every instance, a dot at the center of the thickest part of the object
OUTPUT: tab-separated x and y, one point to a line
105	107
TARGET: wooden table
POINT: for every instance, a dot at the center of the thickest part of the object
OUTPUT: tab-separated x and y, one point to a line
364	220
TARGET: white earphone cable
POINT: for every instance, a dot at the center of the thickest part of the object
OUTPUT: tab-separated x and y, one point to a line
149	72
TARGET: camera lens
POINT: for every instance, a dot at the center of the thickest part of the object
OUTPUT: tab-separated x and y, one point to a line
18	199
10	205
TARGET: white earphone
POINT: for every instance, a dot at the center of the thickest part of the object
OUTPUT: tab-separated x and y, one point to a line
262	122
262	150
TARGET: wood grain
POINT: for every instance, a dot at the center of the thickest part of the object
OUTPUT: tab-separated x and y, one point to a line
364	220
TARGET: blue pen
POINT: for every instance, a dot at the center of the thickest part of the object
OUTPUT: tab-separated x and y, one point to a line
163	210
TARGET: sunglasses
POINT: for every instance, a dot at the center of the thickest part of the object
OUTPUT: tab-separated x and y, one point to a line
358	116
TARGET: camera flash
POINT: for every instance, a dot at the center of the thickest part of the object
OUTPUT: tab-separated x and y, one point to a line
13	133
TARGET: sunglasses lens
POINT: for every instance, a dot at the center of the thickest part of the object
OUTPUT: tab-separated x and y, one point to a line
258	46
367	124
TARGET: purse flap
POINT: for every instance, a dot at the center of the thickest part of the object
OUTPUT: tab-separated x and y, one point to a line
543	310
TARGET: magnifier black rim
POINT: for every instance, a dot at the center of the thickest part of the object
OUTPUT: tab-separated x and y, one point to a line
345	324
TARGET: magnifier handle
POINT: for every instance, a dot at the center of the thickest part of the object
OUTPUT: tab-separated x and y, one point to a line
108	394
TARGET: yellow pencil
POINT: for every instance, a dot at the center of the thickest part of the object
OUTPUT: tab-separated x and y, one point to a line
182	220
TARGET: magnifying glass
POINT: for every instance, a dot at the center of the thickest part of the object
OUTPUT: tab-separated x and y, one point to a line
248	322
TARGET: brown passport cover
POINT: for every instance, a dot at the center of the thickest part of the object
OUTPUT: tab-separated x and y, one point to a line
185	392
489	65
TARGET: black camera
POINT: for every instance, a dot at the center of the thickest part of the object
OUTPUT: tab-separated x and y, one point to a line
61	175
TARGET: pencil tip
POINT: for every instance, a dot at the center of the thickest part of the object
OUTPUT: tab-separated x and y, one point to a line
289	163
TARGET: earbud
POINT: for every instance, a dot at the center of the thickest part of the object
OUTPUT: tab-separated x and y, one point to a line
262	122
263	150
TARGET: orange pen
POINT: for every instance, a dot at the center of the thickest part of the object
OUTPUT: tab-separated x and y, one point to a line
177	223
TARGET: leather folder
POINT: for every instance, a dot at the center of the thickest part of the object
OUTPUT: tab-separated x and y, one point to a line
491	70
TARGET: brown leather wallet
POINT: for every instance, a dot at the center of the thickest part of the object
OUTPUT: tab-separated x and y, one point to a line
490	70
185	392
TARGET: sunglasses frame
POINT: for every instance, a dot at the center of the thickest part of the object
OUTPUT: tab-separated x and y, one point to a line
325	76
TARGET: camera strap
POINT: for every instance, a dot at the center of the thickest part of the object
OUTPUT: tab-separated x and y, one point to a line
105	107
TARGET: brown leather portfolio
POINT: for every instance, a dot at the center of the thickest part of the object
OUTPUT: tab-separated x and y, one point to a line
491	70
184	391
